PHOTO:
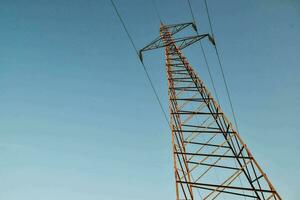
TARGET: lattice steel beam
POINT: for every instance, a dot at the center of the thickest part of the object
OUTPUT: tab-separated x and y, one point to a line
210	158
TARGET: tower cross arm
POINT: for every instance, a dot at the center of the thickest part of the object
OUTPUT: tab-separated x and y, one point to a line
182	42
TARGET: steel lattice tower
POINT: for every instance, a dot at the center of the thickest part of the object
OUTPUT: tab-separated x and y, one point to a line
211	161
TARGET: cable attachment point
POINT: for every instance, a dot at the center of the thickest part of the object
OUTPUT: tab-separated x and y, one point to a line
211	39
141	56
194	27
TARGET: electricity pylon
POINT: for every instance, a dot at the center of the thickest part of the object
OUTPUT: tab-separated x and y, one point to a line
210	159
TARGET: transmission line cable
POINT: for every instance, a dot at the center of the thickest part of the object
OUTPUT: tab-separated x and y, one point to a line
223	76
221	66
143	65
208	68
192	13
203	53
156	11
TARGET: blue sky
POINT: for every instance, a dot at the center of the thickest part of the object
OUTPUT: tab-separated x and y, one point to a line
79	120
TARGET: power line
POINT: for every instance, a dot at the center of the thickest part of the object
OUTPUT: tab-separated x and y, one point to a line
204	55
209	72
221	66
209	20
156	11
210	75
208	68
192	13
223	76
143	65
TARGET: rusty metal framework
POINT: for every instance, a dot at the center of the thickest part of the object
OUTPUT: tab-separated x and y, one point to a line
211	161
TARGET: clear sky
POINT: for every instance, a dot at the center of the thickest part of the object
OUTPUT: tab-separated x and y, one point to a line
79	120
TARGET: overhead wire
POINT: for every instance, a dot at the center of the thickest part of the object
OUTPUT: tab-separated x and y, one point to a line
221	66
143	65
156	11
192	13
204	55
223	76
208	69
